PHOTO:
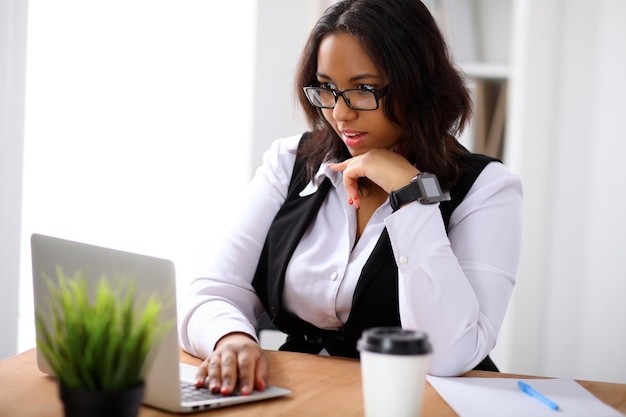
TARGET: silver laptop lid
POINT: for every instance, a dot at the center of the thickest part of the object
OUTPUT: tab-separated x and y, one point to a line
152	275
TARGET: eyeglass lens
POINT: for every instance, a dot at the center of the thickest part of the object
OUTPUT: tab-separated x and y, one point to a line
355	99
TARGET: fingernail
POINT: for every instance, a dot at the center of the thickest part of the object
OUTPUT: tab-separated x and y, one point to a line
350	201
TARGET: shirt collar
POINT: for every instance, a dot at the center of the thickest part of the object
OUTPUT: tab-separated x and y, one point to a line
322	173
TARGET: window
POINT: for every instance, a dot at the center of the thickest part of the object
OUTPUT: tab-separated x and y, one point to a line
133	109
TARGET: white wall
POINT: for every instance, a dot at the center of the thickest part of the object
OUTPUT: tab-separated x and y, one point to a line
278	47
12	73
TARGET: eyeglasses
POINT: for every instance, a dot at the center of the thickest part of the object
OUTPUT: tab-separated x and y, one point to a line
356	99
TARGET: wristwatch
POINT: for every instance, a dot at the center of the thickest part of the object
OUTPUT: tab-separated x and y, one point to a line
424	187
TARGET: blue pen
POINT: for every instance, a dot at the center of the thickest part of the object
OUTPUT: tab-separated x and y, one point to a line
531	391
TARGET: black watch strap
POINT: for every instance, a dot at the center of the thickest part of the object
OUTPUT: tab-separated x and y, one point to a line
405	195
424	188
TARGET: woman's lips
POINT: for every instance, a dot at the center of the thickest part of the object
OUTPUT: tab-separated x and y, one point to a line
352	138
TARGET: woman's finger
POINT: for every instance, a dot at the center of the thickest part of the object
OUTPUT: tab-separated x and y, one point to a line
262	372
202	373
350	179
228	370
214	372
246	364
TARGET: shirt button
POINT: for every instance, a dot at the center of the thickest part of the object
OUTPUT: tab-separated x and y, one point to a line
334	276
403	260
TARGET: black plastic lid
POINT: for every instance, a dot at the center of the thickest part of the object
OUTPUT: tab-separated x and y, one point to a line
395	341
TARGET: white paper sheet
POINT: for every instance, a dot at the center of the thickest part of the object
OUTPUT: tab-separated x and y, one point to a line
188	372
501	397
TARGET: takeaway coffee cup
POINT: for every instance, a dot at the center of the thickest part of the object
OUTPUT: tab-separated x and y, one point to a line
393	370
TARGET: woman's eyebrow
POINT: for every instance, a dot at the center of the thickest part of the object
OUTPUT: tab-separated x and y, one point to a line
366	76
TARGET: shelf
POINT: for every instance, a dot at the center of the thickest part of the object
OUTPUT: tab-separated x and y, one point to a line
478	33
481	70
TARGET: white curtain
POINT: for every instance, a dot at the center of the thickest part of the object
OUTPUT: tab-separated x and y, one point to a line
567	141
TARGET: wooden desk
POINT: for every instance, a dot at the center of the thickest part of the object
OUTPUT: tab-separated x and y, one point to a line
319	385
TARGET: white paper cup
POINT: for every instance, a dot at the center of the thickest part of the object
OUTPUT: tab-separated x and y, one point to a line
394	363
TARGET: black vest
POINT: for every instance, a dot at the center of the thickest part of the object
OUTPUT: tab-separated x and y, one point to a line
375	300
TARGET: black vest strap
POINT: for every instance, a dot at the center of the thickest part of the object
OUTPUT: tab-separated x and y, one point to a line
375	301
474	165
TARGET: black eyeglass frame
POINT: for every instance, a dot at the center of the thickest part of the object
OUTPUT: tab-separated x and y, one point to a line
378	94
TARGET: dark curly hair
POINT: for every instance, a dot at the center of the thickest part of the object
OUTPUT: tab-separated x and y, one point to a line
427	96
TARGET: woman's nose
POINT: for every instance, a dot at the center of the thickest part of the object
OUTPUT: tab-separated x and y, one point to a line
342	111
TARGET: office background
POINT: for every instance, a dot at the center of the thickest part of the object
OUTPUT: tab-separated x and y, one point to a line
134	124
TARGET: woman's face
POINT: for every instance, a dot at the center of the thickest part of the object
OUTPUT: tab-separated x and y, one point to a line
343	64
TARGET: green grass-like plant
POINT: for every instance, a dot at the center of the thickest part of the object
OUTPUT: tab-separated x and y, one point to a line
101	342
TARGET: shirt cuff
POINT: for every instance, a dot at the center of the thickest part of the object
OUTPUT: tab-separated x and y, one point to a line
205	330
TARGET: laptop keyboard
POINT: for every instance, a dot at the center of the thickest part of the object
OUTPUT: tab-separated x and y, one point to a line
190	393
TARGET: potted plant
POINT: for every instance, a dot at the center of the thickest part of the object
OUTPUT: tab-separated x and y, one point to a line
98	342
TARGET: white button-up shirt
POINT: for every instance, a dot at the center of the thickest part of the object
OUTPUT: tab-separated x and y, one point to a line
456	286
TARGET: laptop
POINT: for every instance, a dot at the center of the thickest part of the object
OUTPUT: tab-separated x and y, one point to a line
168	380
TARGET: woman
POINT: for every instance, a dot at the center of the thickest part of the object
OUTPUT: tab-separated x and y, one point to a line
344	229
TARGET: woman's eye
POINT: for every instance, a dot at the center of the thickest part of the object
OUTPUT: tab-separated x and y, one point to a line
327	85
367	87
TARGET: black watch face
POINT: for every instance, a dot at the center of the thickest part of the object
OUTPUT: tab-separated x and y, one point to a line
430	189
430	186
423	188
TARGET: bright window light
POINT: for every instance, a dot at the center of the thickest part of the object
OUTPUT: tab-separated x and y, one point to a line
138	123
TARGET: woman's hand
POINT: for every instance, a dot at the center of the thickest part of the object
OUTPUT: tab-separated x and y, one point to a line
237	358
389	170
